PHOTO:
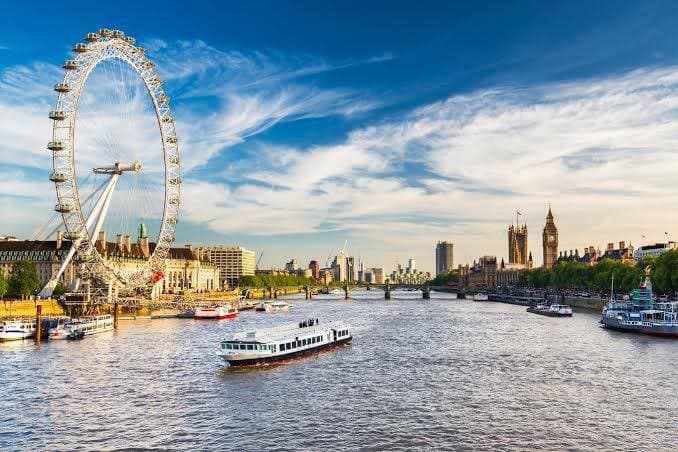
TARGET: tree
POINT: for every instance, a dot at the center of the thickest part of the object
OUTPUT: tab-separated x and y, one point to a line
444	279
665	272
24	280
4	286
60	289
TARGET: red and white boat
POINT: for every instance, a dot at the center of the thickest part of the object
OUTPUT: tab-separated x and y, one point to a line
216	312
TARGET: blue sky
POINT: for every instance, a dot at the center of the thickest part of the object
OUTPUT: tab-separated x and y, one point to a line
388	124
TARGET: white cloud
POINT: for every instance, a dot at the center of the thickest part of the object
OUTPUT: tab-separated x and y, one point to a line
220	99
600	150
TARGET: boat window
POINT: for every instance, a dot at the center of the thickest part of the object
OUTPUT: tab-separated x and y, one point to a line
250	347
294	344
282	347
303	342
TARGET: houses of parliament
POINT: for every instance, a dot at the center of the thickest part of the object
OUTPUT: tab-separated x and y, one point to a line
517	243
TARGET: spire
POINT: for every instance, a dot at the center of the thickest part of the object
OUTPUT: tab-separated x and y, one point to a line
530	258
549	216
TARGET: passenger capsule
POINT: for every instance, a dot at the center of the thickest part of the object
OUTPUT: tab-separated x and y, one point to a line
149	64
57	115
163	99
141	50
92	37
58	177
172	221
174	160
80	48
118	34
63	208
130	40
62	88
70	65
56	145
174	200
105	32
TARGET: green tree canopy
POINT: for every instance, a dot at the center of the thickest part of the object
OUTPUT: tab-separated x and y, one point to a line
4	286
24	280
274	281
444	279
664	272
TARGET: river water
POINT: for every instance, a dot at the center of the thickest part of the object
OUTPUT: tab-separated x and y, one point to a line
430	375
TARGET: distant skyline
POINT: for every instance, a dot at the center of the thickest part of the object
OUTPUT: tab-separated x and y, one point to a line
305	124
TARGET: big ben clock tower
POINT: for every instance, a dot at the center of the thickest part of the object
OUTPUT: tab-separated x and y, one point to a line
550	241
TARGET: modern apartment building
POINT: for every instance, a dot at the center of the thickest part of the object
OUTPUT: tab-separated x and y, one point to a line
232	261
444	258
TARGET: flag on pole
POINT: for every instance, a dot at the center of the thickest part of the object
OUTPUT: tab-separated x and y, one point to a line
666	233
518	212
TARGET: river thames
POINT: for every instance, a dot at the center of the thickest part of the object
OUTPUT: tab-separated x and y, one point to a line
435	374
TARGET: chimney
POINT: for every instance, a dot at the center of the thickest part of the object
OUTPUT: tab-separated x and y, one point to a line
118	243
128	244
576	252
622	245
610	246
143	244
189	247
59	239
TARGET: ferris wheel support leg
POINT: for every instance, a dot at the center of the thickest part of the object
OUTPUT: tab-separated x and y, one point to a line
104	200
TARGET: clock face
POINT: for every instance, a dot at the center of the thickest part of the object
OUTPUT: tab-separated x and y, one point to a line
552	238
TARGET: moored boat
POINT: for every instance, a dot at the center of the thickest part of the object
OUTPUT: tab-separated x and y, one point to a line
83	326
551	310
641	314
480	297
52	326
17	329
215	312
277	306
284	343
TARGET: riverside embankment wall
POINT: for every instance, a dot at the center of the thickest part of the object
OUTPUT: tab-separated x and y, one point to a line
27	308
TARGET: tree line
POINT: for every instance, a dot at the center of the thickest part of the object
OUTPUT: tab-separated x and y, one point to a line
575	275
445	279
274	281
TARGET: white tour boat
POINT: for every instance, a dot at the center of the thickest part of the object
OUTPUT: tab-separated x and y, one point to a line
284	343
83	326
215	312
480	297
551	310
17	329
277	306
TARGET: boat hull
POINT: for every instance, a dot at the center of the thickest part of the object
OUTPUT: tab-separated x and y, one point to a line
16	336
549	313
278	359
214	314
639	327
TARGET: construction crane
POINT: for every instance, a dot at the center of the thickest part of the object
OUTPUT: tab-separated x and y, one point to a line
259	261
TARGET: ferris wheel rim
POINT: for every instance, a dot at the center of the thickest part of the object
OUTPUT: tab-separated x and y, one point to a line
106	45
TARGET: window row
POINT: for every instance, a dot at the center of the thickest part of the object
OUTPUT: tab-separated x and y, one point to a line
342	333
301	343
251	347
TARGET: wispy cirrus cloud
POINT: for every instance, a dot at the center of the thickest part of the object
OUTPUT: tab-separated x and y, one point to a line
220	98
599	149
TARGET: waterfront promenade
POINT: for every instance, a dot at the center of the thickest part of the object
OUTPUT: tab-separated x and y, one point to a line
437	375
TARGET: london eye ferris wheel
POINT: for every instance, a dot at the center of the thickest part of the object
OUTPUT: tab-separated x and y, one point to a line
115	158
